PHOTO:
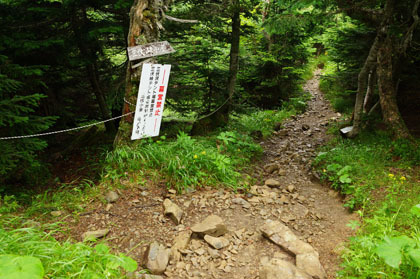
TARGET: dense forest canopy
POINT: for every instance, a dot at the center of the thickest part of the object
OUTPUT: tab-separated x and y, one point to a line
63	64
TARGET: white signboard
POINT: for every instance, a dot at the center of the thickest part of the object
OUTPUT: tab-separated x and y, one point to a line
149	50
150	100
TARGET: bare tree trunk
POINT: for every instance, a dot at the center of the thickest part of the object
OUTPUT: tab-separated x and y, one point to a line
362	82
144	28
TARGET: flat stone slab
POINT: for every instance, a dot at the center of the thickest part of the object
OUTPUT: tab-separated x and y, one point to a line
285	238
213	225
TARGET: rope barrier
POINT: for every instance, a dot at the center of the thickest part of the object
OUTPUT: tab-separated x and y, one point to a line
100	122
66	130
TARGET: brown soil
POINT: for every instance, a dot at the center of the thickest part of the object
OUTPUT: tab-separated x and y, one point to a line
314	212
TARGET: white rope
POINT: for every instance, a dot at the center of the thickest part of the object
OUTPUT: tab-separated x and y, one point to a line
66	130
131	104
213	112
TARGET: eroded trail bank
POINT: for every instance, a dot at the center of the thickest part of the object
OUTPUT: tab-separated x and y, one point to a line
280	228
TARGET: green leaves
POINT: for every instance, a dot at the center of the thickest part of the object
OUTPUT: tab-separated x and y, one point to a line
20	267
393	250
415	210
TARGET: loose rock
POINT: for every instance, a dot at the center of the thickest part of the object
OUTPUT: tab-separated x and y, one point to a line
173	211
285	238
280	269
111	196
270	168
56	213
242	202
272	183
180	243
92	235
216	242
309	262
156	258
212	225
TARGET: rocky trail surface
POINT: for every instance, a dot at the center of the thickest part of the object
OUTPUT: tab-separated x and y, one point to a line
287	226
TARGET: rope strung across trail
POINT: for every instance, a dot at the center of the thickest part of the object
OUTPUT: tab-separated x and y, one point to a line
66	130
100	122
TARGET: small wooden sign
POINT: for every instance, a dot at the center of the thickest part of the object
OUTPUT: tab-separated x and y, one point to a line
149	50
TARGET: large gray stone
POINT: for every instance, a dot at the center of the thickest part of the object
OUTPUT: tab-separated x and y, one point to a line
213	225
173	211
309	262
156	258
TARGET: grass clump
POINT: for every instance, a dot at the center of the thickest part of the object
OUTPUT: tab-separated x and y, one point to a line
24	248
188	162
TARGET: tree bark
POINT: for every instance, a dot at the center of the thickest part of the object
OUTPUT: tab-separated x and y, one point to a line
144	28
362	82
234	55
388	91
100	97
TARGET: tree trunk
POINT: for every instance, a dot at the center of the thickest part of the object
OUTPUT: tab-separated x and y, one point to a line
234	56
362	87
388	91
144	28
100	97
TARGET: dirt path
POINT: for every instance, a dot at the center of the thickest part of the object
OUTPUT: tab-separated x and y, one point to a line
311	211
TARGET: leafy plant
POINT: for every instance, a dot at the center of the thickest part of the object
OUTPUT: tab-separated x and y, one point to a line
20	267
394	250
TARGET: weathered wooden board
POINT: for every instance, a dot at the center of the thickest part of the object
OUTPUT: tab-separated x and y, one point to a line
149	50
